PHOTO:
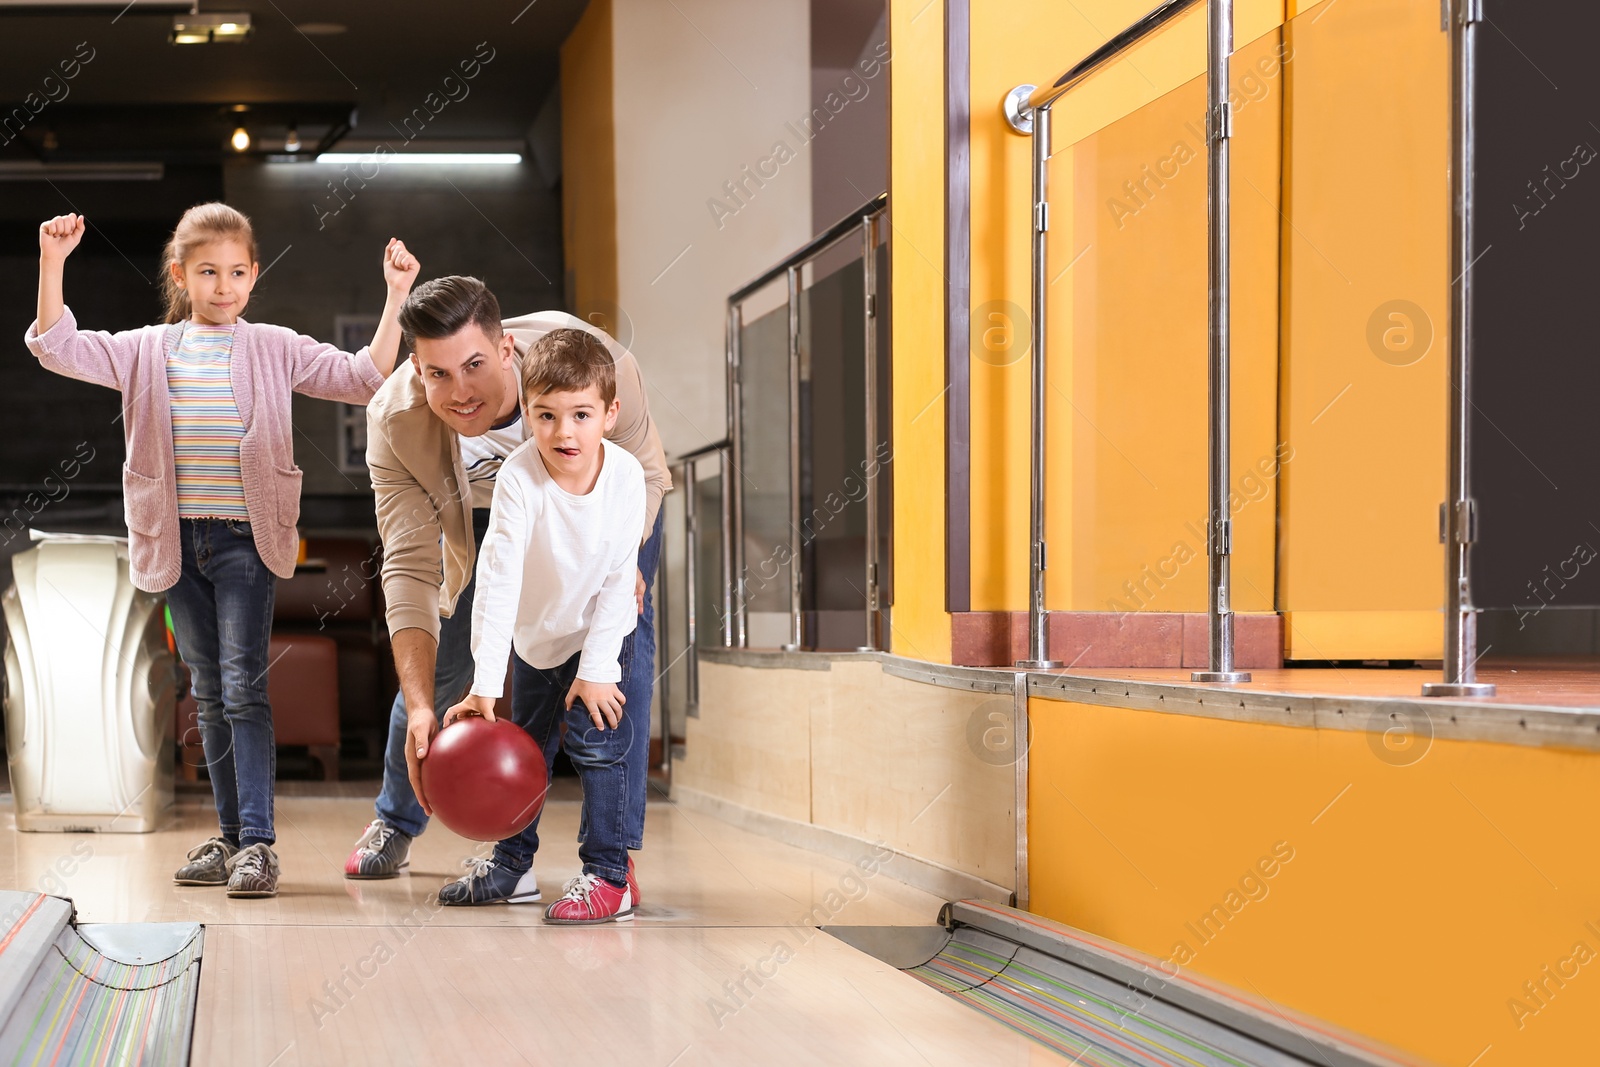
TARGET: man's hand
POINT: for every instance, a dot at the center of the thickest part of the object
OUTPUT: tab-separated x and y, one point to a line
638	590
471	705
602	699
400	268
420	728
59	236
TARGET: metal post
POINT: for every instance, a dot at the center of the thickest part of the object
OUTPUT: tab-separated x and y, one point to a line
795	634
734	618
869	304
664	647
1458	518
1219	119
1038	619
691	580
725	553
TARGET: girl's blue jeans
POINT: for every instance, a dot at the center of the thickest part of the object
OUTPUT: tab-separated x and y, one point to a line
222	618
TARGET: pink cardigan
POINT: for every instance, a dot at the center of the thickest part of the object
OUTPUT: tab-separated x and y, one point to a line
269	363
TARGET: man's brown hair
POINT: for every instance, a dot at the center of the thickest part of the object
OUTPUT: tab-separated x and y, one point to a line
444	306
568	361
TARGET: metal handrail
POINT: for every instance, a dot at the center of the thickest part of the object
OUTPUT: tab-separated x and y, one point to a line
1045	95
851	223
735	631
703	450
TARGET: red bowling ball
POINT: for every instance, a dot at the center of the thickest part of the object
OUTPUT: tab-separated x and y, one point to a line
485	780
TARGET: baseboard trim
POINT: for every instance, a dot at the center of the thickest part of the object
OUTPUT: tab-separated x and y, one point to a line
918	873
1106	639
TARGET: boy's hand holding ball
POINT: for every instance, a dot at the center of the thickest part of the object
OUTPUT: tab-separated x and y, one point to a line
603	700
471	705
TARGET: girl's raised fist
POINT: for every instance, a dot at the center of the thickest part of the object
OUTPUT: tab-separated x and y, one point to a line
59	236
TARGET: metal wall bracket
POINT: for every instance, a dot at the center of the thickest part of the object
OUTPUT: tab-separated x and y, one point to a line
1466	521
1222	121
1222	537
1465	529
1019	116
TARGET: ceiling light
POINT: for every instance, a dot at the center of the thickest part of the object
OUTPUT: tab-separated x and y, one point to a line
431	159
291	141
241	140
230	28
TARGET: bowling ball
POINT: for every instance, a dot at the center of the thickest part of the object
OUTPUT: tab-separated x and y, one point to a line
485	780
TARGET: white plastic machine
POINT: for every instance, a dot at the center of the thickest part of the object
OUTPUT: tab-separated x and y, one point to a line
90	690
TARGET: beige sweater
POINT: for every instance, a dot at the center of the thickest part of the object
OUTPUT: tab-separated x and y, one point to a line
424	502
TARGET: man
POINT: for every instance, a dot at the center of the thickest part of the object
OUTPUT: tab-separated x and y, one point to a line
436	435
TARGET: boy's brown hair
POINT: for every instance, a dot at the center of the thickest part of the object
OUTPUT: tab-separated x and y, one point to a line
569	361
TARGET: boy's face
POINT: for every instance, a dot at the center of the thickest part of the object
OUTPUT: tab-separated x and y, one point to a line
568	426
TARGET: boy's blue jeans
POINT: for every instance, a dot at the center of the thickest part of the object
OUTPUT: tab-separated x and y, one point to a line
601	755
222	618
397	804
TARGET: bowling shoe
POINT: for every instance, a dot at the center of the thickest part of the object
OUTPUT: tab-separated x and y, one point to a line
591	899
208	863
486	882
633	882
381	852
253	872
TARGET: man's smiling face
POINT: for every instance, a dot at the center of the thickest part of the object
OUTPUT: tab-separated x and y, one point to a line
467	378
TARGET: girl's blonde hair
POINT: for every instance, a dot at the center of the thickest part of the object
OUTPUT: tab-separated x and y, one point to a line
201	224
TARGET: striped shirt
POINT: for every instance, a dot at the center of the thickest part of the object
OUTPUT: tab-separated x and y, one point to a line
206	428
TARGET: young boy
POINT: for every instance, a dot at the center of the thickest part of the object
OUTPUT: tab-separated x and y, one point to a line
555	582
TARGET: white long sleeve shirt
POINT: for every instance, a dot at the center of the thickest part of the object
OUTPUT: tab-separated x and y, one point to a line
556	572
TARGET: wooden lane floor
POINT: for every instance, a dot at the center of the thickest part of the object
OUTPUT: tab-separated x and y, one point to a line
721	965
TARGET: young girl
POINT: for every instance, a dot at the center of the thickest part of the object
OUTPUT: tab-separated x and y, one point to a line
210	487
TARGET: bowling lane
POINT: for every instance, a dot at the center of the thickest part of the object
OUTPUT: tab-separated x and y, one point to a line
694	870
722	965
652	995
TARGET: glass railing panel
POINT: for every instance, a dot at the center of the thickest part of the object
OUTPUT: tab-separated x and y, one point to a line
1365	328
764	467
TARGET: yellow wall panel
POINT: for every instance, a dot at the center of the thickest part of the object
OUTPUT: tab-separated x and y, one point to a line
589	160
921	626
1407	902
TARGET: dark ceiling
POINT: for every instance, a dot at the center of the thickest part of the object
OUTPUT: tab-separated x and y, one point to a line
139	97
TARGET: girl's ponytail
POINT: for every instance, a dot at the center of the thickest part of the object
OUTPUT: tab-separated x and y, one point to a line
200	225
